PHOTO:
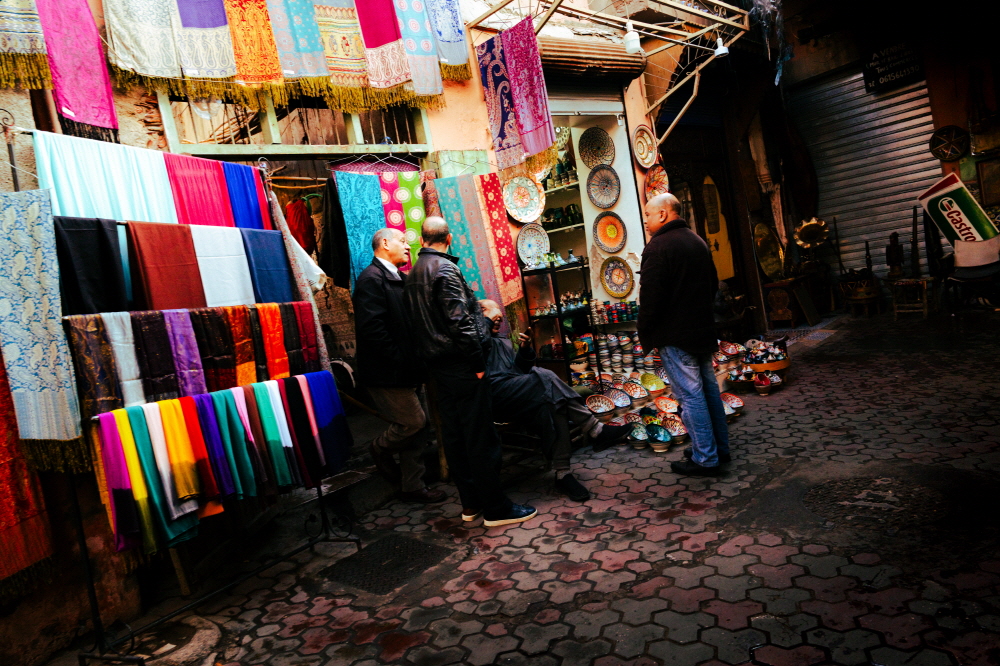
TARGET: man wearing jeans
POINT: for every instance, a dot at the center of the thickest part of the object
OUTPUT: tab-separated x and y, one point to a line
677	285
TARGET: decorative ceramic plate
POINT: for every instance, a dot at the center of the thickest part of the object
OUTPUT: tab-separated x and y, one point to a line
733	401
644	146
651	419
658	433
656	182
603	186
609	232
562	137
596	147
620	398
616	276
665	404
652	383
729	349
524	199
617	421
532	243
600	404
675	426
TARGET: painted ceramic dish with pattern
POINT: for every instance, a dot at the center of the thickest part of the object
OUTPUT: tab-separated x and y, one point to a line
524	198
661	372
609	232
644	146
619	421
596	147
665	404
632	417
619	397
616	277
600	404
638	394
658	433
651	419
638	437
675	427
733	401
653	384
603	186
657	182
532	243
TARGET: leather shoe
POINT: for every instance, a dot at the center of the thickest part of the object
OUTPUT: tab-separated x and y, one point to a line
691	468
517	513
609	435
723	457
424	496
571	487
385	463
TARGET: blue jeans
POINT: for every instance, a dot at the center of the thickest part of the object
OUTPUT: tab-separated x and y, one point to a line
696	389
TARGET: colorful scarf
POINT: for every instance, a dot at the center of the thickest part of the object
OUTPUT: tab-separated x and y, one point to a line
238	320
25	540
118	326
334	435
503	256
478	236
23	63
124	511
246	405
141	38
39	366
96	371
179	450
453	210
432	205
90	266
81	85
235	443
274	340
215	344
222	262
527	87
418	43
361	202
269	268
303	437
392	203
176	491
293	346
306	319
200	193
156	359
253	44
272	417
384	52
499	103
242	183
103	180
302	471
203	39
449	33
300	47
166	266
202	463
259	352
301	225
140	492
344	51
184	348
334	252
408	193
307	399
209	423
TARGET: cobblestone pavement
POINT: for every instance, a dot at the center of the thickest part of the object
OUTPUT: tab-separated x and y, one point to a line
661	569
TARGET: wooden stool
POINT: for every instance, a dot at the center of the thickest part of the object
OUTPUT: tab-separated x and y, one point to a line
900	300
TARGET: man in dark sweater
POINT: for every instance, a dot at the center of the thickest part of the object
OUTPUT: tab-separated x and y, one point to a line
677	285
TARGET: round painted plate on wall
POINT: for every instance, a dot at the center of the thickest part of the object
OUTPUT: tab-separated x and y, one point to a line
617	278
644	146
532	243
656	181
524	198
609	232
603	186
596	147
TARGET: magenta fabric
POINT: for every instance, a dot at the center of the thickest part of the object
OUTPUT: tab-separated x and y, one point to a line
527	87
200	192
124	512
81	85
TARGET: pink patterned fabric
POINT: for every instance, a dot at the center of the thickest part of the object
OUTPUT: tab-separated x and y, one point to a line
527	87
392	204
384	52
499	103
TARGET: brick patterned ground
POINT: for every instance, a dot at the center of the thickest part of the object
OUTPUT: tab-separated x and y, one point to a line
661	569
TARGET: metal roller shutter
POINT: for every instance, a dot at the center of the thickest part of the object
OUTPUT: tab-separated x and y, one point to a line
871	157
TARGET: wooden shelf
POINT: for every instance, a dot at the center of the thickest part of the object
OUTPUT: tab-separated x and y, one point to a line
570	186
572	226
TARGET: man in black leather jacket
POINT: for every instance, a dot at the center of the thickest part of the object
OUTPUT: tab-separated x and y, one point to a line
449	337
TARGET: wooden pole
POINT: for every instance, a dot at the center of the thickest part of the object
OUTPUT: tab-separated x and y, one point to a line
547	15
490	12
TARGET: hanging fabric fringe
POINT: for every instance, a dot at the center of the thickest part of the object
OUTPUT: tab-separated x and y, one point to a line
456	72
28	71
23	61
85	131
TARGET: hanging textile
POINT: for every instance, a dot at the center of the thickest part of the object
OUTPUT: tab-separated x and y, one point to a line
235	443
302	471
259	353
306	443
80	81
170	530
140	493
242	182
307	399
300	47
222	472
268	262
103	180
256	54
335	437
361	202
23	63
222	262
273	435
336	314
140	37
527	87
124	512
25	539
200	192
39	366
273	335
176	491
344	52
499	103
179	451
184	349
96	370
478	237
502	252
202	464
260	453
453	210
118	326
90	266
215	344
449	33
204	43
293	346
156	360
432	205
392	204
238	320
166	274
284	430
305	319
408	193
300	224
418	43
384	52
334	252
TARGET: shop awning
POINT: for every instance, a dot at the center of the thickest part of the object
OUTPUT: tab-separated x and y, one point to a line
590	59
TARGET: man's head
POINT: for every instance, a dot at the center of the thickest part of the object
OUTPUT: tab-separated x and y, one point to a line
390	244
435	233
493	312
660	211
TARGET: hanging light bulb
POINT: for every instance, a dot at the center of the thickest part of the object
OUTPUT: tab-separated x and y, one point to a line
721	50
631	39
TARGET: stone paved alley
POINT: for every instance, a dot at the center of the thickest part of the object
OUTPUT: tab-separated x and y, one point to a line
857	524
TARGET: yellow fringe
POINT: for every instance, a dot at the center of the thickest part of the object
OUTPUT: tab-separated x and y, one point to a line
536	166
456	72
57	455
27	71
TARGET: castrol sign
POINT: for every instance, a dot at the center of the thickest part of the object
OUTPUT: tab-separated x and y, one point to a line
956	213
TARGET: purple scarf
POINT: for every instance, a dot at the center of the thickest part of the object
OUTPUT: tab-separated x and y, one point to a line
499	103
124	512
213	443
527	87
187	358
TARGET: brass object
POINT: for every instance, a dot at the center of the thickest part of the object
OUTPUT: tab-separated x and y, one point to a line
811	233
770	254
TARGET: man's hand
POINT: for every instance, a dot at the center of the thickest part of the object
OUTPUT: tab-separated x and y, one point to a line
524	338
480	375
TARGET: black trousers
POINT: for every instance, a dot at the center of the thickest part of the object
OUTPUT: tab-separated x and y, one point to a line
471	443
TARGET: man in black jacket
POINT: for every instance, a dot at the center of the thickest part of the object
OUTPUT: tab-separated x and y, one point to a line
388	368
449	338
677	286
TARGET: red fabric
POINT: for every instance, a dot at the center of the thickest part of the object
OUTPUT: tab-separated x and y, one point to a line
200	192
274	340
301	224
165	269
209	487
307	335
265	207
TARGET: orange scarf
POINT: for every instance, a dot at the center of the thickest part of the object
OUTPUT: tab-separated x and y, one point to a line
253	42
274	340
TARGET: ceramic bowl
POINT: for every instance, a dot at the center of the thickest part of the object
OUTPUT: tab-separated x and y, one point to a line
601	406
662	374
632	417
730	412
606	377
618	385
719	357
618	421
638	438
675	427
622	401
733	401
638	394
647	411
652	383
669	405
659	438
652	419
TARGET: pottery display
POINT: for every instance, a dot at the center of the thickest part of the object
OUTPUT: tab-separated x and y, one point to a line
636	391
675	427
621	399
653	384
733	401
601	406
638	438
669	405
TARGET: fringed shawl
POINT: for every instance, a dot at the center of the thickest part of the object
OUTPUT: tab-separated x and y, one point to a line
238	320
273	335
335	437
118	326
96	368
23	63
449	33
527	87
141	37
203	39
215	344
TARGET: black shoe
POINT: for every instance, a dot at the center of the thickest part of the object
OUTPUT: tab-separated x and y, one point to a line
468	515
691	468
571	487
723	457
517	513
610	435
386	464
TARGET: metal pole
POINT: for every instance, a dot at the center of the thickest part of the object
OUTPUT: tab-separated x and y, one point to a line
88	572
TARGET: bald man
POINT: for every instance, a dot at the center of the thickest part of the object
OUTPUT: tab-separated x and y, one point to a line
449	334
677	286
